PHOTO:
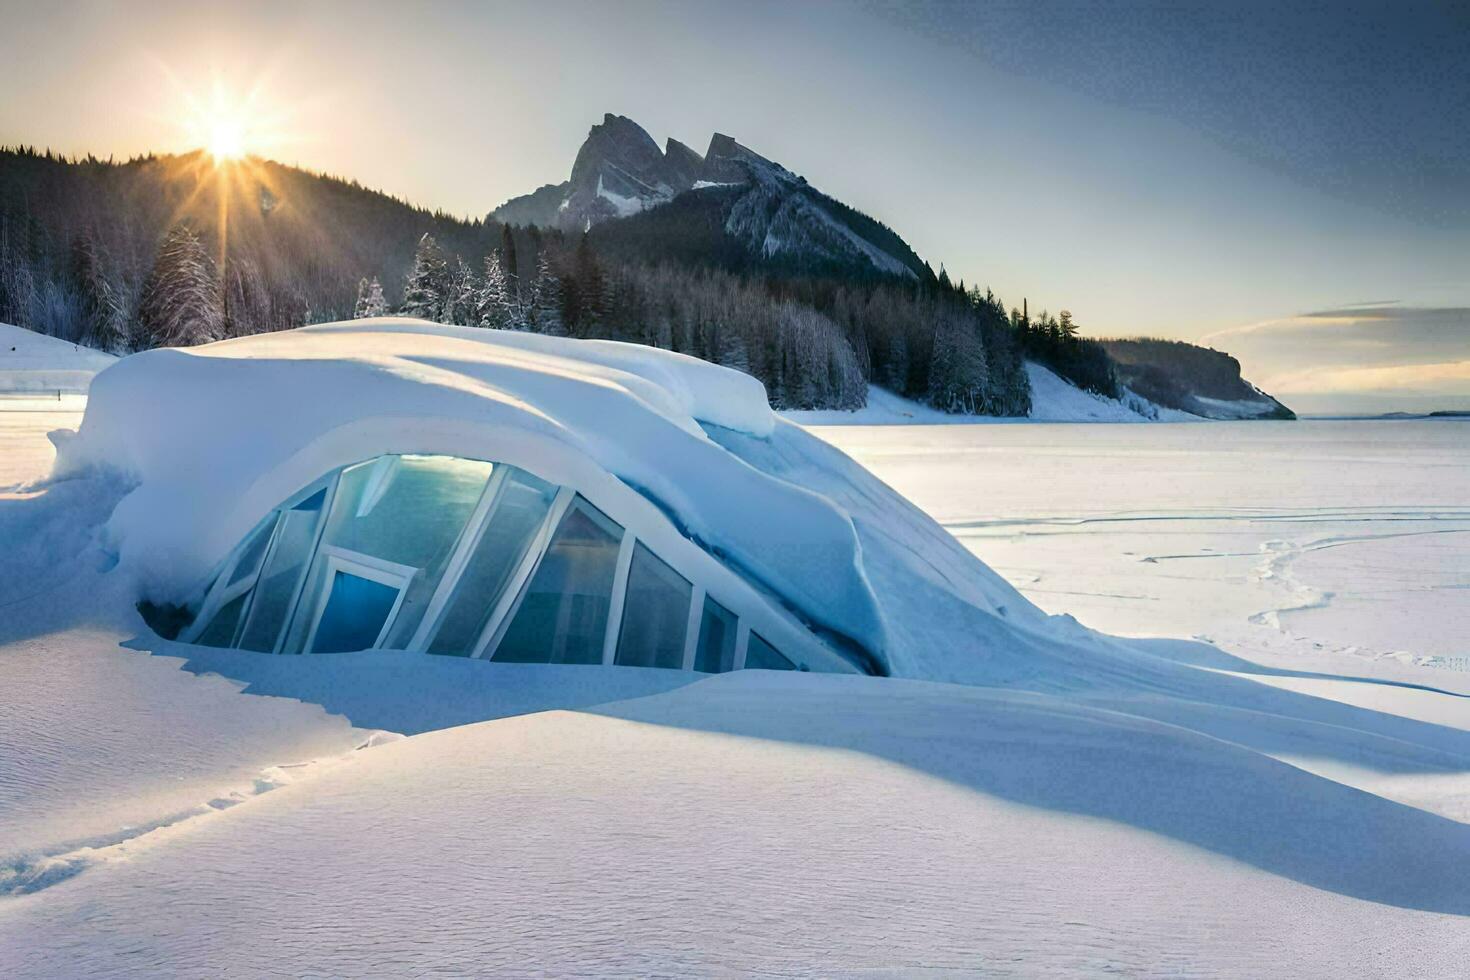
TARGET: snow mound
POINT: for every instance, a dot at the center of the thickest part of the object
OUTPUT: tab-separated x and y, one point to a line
215	436
33	363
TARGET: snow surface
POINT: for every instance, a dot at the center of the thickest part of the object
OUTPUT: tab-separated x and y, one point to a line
1053	399
1295	539
1075	804
624	206
34	364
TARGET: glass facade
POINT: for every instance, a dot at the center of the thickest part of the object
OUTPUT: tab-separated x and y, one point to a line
520	508
468	558
562	618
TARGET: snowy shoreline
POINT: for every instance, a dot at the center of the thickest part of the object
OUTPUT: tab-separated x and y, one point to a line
1052	400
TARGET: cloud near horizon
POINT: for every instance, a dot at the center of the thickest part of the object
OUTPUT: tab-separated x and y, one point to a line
1417	356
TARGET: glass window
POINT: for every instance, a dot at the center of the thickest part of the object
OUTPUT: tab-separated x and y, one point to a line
281	576
407	510
520	508
254	550
357	609
221	630
760	655
716	650
655	614
562	617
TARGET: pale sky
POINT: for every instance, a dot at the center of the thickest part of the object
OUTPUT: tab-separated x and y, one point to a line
1173	170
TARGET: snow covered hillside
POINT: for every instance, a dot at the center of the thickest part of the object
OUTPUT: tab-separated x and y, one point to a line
1025	796
1053	399
33	364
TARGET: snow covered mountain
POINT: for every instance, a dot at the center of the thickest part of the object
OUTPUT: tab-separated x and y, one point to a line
758	205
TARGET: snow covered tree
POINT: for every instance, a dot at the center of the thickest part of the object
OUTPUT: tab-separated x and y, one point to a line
370	301
959	374
425	290
460	298
104	322
492	301
180	303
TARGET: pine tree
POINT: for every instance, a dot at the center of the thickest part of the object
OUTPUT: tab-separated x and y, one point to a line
588	302
492	302
511	265
370	301
180	303
425	289
104	323
548	306
460	296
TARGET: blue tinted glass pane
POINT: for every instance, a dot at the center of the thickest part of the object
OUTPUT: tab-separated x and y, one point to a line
562	618
280	579
221	629
356	610
655	614
254	550
760	655
524	501
409	510
716	649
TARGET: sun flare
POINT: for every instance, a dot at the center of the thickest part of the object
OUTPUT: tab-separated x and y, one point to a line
226	139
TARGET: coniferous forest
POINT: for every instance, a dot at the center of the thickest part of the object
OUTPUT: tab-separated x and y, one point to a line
174	251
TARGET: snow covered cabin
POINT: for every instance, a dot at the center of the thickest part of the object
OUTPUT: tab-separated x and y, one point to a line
397	484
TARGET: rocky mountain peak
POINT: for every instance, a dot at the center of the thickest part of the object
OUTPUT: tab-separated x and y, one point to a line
684	164
620	172
620	143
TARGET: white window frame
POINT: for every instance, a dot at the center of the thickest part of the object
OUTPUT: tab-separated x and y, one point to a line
364	566
224	592
693	624
619	596
328	502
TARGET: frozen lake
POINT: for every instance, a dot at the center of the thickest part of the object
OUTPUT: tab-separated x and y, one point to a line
233	816
1268	538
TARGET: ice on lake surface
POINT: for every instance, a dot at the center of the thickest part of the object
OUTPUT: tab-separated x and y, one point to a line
1266	538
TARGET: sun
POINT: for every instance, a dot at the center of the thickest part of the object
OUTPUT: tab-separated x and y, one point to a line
226	139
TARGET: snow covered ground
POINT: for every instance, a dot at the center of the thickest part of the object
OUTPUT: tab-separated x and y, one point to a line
36	367
1272	803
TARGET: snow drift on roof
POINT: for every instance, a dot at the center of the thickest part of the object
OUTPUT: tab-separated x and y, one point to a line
215	436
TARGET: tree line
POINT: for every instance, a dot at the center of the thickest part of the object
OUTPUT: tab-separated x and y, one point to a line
162	251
